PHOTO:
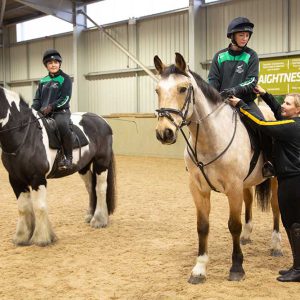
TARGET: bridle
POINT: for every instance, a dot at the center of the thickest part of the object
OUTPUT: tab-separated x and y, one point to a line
190	99
166	112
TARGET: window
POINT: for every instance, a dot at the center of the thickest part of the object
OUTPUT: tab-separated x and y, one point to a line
42	27
110	11
103	12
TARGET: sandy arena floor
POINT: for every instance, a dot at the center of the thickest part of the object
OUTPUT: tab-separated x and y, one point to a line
147	251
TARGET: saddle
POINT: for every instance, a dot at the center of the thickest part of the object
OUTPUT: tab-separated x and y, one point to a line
79	139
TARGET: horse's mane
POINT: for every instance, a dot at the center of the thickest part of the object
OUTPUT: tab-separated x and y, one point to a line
209	92
23	102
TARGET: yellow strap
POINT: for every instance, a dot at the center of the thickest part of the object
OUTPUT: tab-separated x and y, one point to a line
265	123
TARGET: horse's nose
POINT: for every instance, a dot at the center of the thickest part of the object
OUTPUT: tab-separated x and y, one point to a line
166	136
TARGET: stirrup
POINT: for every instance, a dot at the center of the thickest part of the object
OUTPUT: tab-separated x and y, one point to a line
65	164
268	170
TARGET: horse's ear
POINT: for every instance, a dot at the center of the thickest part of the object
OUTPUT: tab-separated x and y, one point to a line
159	66
180	62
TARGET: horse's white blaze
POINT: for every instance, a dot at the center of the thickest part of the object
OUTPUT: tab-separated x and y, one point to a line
200	267
26	219
100	218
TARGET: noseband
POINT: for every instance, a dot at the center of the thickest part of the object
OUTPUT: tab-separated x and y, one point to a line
166	112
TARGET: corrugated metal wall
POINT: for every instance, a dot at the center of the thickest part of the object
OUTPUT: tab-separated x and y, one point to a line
115	87
112	84
267	15
24	90
1	65
295	25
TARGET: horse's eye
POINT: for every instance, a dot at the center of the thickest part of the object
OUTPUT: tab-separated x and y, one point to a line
156	91
182	90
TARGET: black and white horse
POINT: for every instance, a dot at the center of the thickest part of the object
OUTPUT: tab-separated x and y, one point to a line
30	161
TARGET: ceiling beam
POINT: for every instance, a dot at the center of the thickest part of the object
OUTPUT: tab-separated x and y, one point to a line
62	9
2	12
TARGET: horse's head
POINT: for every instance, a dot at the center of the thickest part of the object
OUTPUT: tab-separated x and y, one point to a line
175	99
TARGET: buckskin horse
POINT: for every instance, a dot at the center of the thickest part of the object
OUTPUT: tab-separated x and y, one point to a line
30	161
217	157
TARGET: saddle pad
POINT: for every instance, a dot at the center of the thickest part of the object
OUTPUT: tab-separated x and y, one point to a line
79	139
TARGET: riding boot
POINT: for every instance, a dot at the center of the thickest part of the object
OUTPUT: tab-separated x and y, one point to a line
268	170
294	274
68	161
284	271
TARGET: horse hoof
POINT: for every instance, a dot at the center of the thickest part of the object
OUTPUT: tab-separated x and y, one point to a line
197	279
244	241
276	253
21	243
51	240
236	276
88	218
96	224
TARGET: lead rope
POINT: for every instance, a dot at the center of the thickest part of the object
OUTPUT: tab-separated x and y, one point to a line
193	153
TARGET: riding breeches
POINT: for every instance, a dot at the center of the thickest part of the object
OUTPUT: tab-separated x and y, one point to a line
289	200
62	119
264	141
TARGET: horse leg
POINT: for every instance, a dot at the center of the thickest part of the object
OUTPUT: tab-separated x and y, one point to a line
100	218
237	272
202	203
25	226
276	249
87	178
248	226
43	234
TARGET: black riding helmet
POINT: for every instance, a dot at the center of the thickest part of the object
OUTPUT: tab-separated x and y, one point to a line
51	54
240	24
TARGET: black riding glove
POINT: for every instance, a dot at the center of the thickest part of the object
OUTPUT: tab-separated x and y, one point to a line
46	110
227	93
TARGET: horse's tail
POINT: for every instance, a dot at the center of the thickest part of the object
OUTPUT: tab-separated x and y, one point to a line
263	194
111	195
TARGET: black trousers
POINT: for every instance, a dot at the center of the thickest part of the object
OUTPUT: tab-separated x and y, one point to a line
289	200
62	119
264	142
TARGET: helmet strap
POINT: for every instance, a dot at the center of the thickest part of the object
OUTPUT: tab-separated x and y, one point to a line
233	41
236	44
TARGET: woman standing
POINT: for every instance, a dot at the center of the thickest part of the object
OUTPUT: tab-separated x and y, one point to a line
286	135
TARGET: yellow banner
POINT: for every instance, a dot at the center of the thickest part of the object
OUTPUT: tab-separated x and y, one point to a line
280	76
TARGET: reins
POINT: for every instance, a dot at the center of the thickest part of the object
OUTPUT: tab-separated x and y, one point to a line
23	140
190	98
24	137
193	152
